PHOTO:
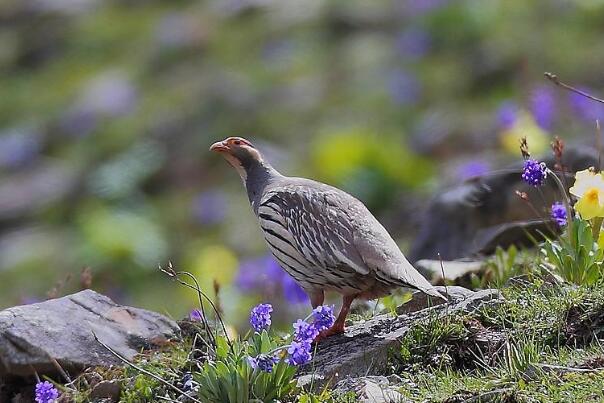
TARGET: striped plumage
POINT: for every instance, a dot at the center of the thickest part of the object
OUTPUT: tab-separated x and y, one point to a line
323	237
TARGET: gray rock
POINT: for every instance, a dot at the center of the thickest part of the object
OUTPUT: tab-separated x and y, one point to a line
476	216
60	332
370	389
420	300
363	350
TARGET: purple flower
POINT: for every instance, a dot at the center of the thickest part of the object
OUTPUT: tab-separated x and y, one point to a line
586	108
263	362
543	106
472	169
292	291
507	114
195	315
304	331
259	274
209	207
299	353
46	392
404	87
413	42
18	146
323	317
534	172
260	317
559	214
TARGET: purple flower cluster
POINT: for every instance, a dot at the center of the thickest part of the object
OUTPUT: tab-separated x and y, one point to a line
299	352
260	317
46	392
559	214
305	331
263	362
323	317
534	172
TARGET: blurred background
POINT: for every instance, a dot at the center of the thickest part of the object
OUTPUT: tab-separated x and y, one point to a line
108	109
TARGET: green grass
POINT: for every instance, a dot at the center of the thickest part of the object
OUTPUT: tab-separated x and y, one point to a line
540	344
503	350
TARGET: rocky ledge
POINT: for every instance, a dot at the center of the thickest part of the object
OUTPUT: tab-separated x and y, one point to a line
57	337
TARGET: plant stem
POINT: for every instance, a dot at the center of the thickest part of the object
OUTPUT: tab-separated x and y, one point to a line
566	201
596	224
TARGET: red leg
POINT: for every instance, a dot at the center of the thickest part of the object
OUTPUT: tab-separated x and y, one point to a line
316	298
338	325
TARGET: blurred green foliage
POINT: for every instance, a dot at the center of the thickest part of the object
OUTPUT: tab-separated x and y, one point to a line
108	110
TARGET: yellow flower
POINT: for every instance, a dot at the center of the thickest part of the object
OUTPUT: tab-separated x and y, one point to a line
589	188
524	127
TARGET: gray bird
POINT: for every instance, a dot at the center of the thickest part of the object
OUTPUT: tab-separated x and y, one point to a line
321	236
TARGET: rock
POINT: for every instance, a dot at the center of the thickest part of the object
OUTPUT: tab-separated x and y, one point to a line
370	389
420	301
476	216
60	332
364	349
109	390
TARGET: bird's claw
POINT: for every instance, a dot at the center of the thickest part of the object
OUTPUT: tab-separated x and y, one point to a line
335	329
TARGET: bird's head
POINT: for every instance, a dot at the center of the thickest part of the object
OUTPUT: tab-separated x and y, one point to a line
240	153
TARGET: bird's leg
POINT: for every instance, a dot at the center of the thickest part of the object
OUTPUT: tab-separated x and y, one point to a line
316	298
338	325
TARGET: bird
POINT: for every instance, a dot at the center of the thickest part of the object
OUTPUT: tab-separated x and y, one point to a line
323	237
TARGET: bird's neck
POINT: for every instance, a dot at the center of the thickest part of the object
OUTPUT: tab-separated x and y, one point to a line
258	177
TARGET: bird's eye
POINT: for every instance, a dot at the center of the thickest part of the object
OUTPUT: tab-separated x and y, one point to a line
237	142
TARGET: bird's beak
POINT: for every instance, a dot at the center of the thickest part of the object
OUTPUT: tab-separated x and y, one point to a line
219	147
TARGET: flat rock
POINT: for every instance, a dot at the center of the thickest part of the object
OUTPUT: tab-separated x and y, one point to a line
60	332
364	349
371	389
420	300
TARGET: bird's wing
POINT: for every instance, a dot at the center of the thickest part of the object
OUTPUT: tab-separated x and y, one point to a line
314	220
334	230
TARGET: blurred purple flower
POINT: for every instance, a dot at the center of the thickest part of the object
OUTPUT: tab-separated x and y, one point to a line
507	114
110	94
292	291
586	108
258	274
543	107
209	207
413	42
472	169
195	315
404	87
18	146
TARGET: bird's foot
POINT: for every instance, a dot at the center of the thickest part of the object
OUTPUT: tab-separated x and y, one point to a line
335	329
